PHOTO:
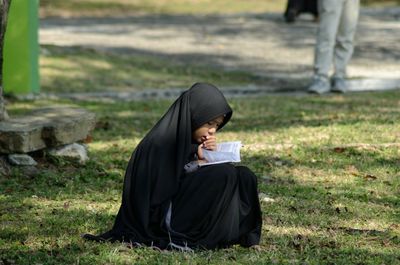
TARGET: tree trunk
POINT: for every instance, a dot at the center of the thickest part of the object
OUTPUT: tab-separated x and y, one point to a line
5	5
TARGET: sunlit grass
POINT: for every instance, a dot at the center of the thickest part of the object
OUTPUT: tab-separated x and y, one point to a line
86	70
331	164
73	8
102	8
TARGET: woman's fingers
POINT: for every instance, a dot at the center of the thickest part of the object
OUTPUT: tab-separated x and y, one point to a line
210	143
200	152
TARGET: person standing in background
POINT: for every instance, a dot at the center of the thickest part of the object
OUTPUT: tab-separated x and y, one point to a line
295	7
337	26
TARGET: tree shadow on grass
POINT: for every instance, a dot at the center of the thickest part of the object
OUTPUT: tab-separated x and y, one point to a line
334	184
88	69
301	225
282	249
309	221
269	113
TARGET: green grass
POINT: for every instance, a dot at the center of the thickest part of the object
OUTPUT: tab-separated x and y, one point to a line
73	8
331	164
75	69
102	8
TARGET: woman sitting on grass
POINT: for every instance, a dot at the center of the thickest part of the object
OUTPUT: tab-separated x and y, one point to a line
171	203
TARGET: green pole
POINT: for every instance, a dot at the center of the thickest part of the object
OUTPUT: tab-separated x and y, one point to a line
21	48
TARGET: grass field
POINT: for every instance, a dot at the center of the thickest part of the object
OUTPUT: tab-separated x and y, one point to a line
330	163
75	69
137	7
101	8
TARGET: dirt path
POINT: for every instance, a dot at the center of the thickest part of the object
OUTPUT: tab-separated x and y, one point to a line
260	43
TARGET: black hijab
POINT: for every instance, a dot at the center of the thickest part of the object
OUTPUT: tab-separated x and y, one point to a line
154	171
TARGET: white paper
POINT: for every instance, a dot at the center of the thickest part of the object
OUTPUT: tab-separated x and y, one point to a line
226	152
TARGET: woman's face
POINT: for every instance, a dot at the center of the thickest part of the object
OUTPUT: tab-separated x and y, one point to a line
207	129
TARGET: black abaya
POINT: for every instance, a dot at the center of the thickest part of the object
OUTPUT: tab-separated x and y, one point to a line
215	206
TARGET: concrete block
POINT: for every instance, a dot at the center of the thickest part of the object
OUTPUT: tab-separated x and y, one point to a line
45	128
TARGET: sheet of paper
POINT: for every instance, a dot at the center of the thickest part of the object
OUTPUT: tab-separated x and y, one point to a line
226	152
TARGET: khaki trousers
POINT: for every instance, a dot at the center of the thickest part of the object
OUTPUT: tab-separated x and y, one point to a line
337	26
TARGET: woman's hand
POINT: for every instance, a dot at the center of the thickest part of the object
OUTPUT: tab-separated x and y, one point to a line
200	152
209	143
